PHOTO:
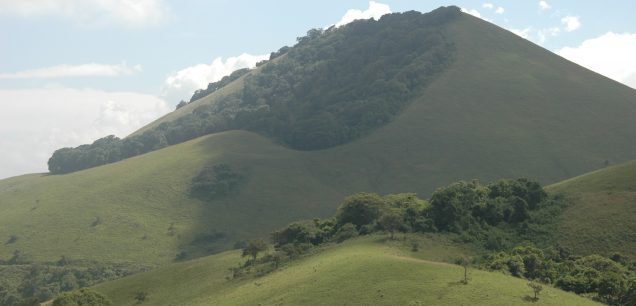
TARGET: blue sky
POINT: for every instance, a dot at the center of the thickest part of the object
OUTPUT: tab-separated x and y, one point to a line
72	71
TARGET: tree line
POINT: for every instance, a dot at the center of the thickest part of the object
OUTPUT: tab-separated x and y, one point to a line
505	210
514	218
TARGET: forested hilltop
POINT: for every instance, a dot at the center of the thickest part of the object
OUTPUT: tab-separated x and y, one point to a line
333	86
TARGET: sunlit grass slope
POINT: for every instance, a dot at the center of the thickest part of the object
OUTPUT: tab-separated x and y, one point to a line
368	271
602	216
140	209
504	108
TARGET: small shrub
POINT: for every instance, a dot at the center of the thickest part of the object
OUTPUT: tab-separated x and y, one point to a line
141	296
12	239
181	256
415	246
97	221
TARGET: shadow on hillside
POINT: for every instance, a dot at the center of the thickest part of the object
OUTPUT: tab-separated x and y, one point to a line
459	282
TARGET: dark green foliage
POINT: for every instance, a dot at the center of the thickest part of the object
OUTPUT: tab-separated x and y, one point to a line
141	296
604	279
337	85
102	151
360	209
536	289
217	181
346	231
253	248
181	104
294	233
332	87
494	216
452	207
278	53
392	222
83	297
212	87
39	282
294	250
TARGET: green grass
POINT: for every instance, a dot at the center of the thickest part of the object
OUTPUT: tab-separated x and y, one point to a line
602	215
139	199
505	108
365	271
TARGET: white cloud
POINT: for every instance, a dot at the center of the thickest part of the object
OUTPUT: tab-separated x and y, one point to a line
375	11
544	5
524	33
610	54
499	10
181	84
544	34
36	122
472	12
83	70
128	13
487	5
538	36
571	23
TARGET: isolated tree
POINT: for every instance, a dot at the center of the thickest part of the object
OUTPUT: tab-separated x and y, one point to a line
253	248
391	222
465	263
536	288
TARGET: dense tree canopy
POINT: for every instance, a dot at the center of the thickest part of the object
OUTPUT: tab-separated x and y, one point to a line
83	297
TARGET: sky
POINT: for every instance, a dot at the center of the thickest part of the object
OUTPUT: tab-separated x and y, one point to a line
72	71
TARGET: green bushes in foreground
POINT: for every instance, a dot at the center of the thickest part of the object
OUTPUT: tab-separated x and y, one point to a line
493	216
608	280
496	216
83	297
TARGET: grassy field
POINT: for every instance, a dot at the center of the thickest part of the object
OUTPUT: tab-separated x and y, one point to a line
140	209
505	108
602	217
366	271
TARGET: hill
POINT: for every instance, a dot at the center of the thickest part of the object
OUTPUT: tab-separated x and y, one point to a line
502	108
602	215
366	271
148	215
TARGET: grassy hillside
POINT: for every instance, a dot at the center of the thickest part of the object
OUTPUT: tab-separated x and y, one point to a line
602	216
504	108
140	209
367	271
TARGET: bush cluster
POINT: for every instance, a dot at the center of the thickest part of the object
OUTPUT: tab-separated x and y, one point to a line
608	280
25	283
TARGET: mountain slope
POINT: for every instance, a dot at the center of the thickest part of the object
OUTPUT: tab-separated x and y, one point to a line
602	216
141	209
367	271
503	108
